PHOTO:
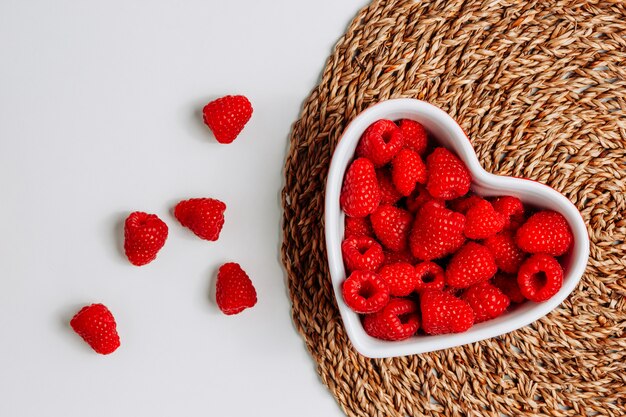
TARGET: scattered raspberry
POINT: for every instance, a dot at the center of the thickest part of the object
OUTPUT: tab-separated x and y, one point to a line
362	253
437	232
395	257
400	277
203	216
506	253
388	192
234	291
428	276
487	301
227	116
144	236
444	313
508	285
472	264
482	221
360	194
545	232
448	178
398	320
419	197
96	325
415	137
407	170
392	226
365	292
358	227
512	209
540	277
462	205
380	142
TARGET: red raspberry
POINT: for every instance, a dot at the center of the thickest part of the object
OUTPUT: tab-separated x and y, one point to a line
461	205
407	170
388	192
144	236
545	232
365	292
512	209
360	194
428	276
436	232
234	291
540	277
400	278
472	264
506	253
227	116
415	137
419	197
362	253
380	142
508	285
444	313
482	221
358	227
392	226
448	178
395	257
203	216
487	301
398	320
96	325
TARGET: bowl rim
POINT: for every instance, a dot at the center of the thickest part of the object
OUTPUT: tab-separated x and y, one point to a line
333	216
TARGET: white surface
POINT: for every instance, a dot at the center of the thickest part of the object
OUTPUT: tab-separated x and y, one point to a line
449	134
99	116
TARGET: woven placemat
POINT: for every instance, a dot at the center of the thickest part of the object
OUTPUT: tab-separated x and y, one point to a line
540	88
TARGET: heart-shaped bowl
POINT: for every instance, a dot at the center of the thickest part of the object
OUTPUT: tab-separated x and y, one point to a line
446	132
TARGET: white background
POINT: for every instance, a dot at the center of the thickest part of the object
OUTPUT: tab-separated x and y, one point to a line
100	116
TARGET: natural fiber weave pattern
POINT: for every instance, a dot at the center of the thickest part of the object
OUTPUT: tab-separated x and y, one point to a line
540	88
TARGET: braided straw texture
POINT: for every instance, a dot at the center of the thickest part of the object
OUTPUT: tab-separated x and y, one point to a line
540	88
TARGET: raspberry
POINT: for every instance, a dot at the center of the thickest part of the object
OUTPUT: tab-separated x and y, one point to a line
415	137
448	178
545	232
96	325
540	277
428	276
472	264
365	292
407	170
462	205
506	253
144	236
234	291
400	278
388	192
482	221
508	285
392	226
395	257
360	194
380	142
358	227
362	253
398	320
436	232
444	313
203	216
487	301
227	116
419	197
511	208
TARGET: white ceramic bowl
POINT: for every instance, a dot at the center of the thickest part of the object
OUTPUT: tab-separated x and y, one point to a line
449	134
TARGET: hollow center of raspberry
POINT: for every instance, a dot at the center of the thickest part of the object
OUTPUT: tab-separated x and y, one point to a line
404	318
367	290
428	278
387	137
538	280
363	249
